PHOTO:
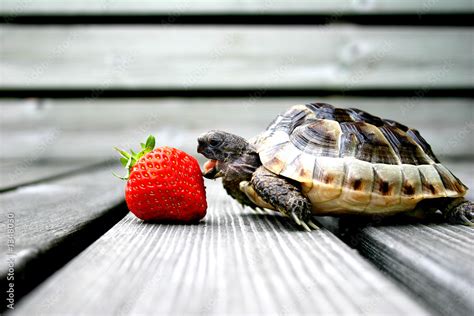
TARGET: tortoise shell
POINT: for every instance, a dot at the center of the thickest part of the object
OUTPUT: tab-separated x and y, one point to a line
348	160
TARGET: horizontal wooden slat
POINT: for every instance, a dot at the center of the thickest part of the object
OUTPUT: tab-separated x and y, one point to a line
28	170
230	57
236	261
90	128
57	214
19	7
433	261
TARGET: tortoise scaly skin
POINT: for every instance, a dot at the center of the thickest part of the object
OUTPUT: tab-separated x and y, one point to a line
316	159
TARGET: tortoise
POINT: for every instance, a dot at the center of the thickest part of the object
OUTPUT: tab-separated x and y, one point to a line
317	159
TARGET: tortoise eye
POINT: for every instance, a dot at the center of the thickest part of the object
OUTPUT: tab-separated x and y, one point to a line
214	142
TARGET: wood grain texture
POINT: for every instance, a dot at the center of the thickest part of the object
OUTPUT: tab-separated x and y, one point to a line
18	7
46	215
339	57
90	128
433	261
15	173
236	261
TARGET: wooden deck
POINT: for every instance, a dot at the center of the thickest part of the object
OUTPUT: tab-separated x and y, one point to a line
71	90
235	261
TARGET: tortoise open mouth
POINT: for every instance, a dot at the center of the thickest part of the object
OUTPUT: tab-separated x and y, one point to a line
210	169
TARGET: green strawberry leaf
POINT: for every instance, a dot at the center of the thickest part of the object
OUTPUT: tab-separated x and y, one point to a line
129	163
122	152
121	178
150	143
124	161
128	160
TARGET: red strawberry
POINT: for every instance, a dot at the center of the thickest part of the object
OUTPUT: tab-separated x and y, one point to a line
164	184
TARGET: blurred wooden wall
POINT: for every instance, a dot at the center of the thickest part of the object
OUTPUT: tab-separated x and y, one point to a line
77	77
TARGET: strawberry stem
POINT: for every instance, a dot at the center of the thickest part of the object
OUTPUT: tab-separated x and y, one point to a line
128	160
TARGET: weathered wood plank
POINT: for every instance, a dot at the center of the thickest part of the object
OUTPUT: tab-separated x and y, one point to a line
18	7
90	128
235	261
433	261
20	172
46	223
188	57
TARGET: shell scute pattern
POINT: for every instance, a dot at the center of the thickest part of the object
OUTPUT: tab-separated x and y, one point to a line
319	138
411	183
415	135
351	161
362	116
431	182
452	184
366	142
330	174
403	146
387	187
358	184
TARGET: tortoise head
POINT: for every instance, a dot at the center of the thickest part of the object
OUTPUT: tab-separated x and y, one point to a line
221	148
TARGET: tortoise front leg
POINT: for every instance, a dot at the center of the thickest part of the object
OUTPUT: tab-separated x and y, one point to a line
283	196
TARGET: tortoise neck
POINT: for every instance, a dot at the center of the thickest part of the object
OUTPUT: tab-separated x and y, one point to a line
238	170
245	164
